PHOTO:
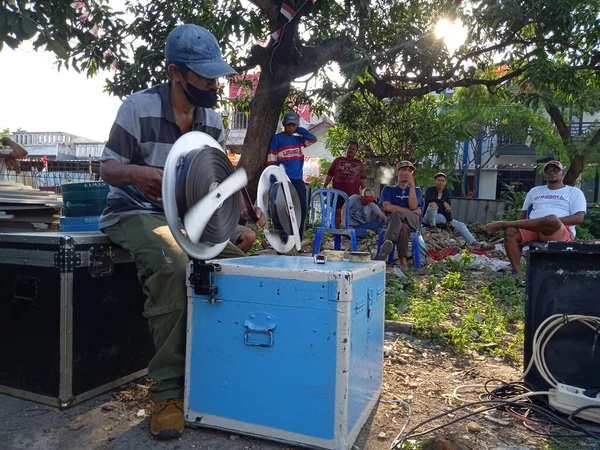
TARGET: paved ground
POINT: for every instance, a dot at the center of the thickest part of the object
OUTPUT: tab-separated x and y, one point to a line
26	425
29	426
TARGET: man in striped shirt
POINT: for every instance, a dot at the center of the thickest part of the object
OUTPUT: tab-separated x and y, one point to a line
286	149
147	125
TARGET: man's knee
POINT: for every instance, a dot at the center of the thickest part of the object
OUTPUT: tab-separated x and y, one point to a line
512	234
552	222
249	236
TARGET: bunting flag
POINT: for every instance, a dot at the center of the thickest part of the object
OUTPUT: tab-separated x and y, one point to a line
289	13
94	30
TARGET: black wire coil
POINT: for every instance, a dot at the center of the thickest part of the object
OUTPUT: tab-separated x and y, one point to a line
198	173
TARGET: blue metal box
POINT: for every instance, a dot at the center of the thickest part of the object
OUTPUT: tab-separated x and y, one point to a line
289	350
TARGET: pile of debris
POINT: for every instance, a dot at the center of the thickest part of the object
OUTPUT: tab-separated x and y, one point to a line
26	208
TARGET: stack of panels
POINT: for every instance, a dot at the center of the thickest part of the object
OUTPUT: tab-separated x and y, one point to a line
83	205
26	208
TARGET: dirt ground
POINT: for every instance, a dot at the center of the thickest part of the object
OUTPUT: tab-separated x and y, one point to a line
419	372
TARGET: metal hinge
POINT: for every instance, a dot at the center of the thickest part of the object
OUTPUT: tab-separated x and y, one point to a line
101	261
67	259
202	279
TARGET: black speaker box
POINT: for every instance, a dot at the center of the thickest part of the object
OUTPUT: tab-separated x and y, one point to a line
564	278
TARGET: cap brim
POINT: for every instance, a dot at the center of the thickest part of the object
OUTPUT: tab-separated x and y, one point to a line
213	69
555	165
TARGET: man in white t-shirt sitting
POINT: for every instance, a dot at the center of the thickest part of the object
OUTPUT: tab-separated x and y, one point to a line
556	209
364	214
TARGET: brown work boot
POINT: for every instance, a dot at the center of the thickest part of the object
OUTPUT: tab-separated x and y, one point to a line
166	420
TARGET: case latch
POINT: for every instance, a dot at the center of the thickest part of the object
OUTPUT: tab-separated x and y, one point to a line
202	279
101	261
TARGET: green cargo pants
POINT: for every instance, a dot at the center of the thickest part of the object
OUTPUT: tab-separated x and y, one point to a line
161	268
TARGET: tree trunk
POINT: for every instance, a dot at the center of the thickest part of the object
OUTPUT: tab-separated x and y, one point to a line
575	169
267	103
578	162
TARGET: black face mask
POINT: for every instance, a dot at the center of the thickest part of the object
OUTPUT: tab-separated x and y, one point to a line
205	98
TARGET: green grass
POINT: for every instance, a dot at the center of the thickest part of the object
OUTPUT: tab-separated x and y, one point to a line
467	312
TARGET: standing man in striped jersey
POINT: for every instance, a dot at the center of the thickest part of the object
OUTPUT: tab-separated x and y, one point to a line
286	150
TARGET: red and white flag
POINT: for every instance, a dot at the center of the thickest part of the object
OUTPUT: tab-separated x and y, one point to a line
287	11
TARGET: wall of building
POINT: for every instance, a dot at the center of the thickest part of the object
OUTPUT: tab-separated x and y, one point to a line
487	184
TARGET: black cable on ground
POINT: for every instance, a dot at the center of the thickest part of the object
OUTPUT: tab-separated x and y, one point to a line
555	419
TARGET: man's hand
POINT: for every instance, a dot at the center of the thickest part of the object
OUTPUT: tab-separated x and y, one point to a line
410	180
6	141
149	181
433	205
494	226
447	206
261	220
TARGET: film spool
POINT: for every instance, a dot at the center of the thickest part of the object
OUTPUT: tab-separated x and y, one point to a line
201	190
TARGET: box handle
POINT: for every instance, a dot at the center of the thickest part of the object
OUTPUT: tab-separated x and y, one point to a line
101	261
25	289
259	330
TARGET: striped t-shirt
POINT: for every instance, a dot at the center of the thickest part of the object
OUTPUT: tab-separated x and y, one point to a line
143	134
287	151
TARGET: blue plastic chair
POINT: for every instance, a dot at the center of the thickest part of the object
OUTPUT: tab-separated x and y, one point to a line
328	199
414	237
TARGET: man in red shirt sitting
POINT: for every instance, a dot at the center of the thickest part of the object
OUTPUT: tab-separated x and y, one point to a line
349	175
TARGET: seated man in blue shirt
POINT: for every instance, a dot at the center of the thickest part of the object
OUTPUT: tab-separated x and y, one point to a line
402	205
364	214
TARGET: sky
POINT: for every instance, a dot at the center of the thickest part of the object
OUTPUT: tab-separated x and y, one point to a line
35	96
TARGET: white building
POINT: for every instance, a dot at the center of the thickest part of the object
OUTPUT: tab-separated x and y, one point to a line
58	145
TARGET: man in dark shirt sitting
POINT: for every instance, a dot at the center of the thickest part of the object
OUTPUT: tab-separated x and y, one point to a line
438	211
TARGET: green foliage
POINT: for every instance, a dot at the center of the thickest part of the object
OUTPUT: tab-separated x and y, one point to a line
497	120
396	129
4	133
453	281
397	293
514	201
461	310
509	290
583	234
464	262
591	223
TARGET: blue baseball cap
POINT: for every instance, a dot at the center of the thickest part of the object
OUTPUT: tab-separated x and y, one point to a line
198	49
290	117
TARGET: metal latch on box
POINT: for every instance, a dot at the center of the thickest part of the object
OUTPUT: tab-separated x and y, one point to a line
202	279
101	261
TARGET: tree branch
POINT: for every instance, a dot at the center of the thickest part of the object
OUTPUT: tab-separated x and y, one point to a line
313	58
595	139
382	89
268	8
559	122
258	54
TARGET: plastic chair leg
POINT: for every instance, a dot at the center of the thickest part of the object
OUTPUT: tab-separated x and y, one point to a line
391	257
317	244
415	247
337	241
379	242
354	243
